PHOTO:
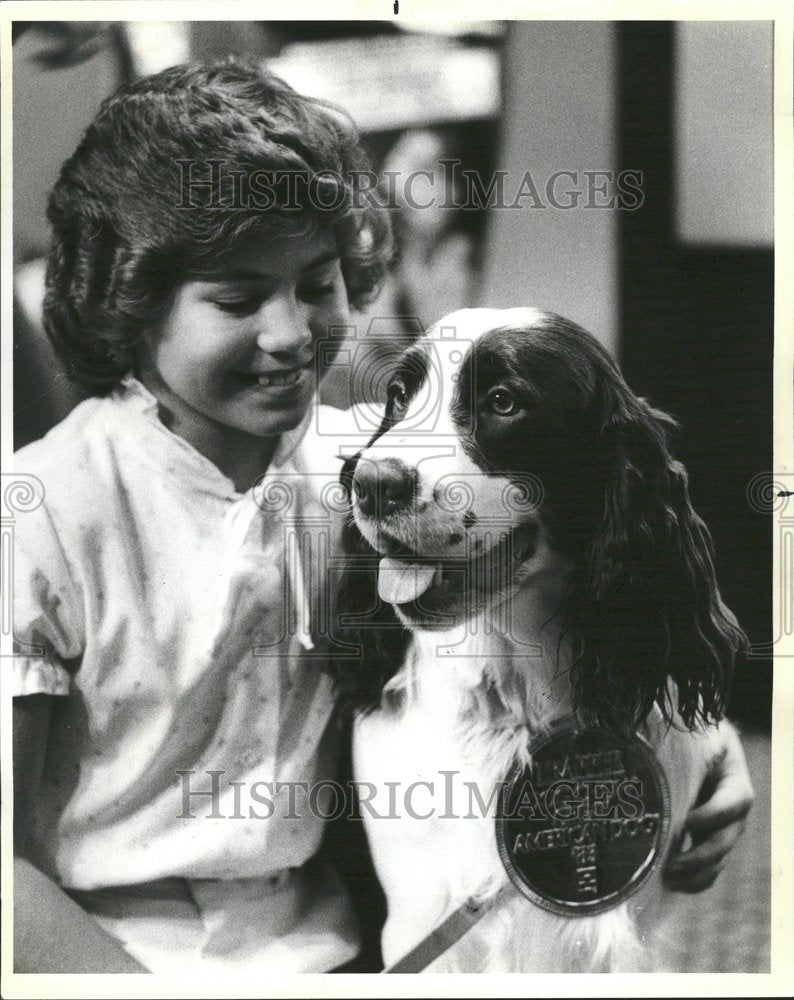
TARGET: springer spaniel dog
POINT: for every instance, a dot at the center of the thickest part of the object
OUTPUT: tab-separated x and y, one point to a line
524	562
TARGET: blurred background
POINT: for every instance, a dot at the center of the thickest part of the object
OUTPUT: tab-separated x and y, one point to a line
673	270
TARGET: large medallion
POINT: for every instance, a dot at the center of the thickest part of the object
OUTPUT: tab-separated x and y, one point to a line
583	825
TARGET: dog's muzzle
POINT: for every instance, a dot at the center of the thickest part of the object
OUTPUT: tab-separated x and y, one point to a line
384	487
431	559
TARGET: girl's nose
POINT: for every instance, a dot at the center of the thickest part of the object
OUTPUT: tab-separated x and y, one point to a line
284	328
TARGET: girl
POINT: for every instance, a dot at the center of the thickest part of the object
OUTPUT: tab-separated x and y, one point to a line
171	712
173	699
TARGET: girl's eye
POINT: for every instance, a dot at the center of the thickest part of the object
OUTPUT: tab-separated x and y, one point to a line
319	290
502	402
237	307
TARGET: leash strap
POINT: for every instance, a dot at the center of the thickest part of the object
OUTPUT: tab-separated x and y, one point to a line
449	932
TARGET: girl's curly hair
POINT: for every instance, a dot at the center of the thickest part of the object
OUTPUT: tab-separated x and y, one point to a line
172	172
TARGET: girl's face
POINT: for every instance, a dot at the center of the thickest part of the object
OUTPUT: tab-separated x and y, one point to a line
237	353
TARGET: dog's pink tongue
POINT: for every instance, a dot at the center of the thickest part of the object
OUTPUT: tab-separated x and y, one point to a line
400	581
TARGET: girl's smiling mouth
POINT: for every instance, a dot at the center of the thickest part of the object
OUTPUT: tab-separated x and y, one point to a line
278	378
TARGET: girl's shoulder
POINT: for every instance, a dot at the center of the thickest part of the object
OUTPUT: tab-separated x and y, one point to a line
355	425
356	419
67	452
67	438
69	467
334	434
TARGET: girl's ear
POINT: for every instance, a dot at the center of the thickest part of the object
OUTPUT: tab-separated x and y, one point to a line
645	608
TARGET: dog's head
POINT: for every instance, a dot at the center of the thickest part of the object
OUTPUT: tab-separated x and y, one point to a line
513	461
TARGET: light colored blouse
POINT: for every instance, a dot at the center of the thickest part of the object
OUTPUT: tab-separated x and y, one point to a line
175	618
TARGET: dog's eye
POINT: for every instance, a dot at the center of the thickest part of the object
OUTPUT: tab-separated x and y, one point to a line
501	401
396	394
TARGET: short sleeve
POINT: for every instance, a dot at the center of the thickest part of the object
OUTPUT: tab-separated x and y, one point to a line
47	604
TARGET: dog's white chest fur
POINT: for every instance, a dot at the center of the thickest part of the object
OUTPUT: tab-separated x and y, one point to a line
431	759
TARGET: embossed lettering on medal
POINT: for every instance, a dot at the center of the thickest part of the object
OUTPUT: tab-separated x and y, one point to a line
580	829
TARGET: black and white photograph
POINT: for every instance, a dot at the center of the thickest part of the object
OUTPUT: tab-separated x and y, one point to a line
397	499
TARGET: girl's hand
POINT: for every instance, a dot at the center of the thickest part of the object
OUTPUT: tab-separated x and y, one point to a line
716	822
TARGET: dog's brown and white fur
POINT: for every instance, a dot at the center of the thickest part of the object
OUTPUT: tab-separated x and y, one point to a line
536	555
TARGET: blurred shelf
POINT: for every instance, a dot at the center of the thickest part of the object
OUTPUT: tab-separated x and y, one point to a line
393	82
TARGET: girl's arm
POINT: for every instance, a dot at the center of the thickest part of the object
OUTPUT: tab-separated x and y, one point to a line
51	932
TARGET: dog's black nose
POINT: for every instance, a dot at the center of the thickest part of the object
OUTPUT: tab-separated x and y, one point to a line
384	487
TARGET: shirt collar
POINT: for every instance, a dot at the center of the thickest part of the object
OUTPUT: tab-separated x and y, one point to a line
134	393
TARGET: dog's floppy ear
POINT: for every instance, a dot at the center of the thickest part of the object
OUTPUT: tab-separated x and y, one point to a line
373	636
644	606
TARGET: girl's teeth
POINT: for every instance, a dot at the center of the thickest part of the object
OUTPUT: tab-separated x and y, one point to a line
279	378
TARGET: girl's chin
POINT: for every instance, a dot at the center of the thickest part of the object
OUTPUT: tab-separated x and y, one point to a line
274	415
